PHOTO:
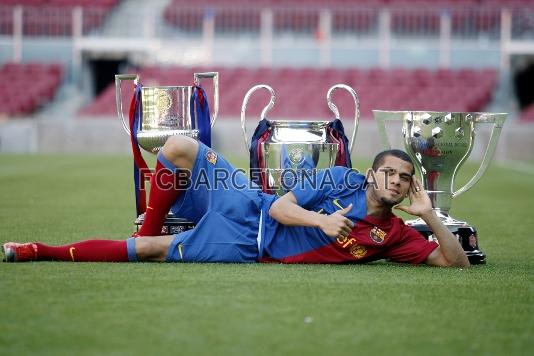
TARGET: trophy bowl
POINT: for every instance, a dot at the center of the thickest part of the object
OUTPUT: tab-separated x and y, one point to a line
166	111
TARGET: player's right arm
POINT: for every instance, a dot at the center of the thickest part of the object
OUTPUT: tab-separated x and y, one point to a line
286	211
449	253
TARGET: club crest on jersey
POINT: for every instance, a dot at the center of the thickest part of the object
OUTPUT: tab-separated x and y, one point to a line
358	251
377	235
211	157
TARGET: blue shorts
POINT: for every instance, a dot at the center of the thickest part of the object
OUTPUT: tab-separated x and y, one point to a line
227	210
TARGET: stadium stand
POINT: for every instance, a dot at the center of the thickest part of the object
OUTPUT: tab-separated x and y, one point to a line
407	16
53	17
31	85
301	92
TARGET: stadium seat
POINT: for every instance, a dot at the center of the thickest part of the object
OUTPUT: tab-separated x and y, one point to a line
31	85
301	92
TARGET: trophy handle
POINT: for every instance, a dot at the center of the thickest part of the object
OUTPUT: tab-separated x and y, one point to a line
335	110
118	95
498	121
215	77
264	112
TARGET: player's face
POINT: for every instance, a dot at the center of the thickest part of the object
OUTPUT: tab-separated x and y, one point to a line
394	178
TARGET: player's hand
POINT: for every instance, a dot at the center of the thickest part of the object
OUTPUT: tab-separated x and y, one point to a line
337	225
420	203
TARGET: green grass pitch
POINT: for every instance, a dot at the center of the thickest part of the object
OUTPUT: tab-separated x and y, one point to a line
214	309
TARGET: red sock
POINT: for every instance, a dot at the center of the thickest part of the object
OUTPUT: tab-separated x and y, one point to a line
165	187
85	251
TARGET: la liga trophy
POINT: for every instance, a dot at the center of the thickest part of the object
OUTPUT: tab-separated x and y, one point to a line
155	114
281	151
439	143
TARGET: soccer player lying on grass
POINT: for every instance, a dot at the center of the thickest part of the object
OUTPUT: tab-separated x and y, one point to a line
333	218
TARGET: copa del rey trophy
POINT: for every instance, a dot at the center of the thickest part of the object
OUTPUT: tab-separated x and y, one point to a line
439	143
282	150
155	114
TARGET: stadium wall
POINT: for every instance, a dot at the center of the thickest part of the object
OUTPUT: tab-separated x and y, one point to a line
100	136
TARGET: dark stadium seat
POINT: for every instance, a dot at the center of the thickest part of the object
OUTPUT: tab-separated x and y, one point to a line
301	92
527	115
31	85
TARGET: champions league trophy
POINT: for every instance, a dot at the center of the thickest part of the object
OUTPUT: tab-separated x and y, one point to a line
281	151
156	113
439	143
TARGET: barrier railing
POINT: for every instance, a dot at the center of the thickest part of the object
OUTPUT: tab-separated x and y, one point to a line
51	21
468	22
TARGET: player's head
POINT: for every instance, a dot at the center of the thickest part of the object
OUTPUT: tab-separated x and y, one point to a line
379	159
393	171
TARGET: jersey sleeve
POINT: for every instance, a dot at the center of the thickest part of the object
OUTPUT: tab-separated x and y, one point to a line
312	189
413	248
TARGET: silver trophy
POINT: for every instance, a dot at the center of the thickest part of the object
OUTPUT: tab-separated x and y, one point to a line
295	147
439	143
166	111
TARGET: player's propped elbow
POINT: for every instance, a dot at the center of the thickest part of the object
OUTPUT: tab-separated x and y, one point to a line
438	259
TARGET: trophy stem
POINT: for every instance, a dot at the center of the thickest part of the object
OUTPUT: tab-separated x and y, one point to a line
441	199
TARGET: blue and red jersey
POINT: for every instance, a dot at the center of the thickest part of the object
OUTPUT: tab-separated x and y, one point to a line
371	238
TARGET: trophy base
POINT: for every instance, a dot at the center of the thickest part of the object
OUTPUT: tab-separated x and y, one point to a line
466	234
172	224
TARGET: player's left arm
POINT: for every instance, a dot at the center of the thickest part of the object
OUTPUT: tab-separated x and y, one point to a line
449	253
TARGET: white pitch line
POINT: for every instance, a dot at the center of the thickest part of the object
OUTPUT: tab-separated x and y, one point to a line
519	167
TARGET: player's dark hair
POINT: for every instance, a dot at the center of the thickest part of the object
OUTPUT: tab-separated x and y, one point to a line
379	159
